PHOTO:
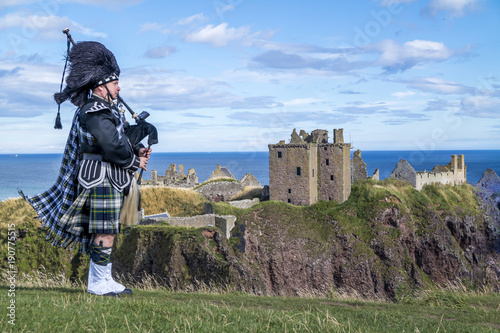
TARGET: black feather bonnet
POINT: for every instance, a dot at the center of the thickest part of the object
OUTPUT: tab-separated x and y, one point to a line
91	64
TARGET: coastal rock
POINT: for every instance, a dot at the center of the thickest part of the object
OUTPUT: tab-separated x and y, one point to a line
404	171
265	193
245	203
489	181
358	167
250	180
401	256
289	252
220	172
181	259
220	190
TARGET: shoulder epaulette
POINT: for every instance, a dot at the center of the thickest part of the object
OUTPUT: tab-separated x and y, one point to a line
96	106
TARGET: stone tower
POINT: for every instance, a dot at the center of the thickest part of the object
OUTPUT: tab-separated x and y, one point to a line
309	168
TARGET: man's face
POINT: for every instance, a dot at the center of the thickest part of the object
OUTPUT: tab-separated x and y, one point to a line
113	88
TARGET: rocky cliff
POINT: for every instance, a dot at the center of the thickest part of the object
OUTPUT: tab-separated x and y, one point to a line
388	241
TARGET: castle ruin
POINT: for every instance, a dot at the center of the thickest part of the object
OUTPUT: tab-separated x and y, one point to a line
455	173
175	179
309	168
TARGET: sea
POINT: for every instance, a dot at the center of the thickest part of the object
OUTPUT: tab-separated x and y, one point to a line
35	173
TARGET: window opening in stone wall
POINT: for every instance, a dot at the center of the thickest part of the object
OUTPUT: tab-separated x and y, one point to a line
313	172
298	171
331	177
279	154
289	201
327	161
289	190
325	148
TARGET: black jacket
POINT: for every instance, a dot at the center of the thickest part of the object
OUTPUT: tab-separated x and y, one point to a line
106	150
103	122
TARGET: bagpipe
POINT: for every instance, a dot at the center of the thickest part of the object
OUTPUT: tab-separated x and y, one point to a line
135	133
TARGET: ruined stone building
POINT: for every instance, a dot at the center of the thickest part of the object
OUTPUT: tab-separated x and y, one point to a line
174	178
309	168
455	173
358	168
221	172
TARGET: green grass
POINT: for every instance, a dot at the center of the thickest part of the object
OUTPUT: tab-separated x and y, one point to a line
176	201
217	180
15	211
73	310
249	192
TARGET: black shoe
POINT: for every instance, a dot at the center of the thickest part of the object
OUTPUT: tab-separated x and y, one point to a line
127	291
116	295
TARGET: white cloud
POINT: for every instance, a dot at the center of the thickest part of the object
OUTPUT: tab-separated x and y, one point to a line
432	84
226	8
9	3
281	119
219	35
401	117
257	102
455	7
397	57
197	17
43	81
302	101
160	52
306	64
392	56
481	106
426	49
437	105
36	27
162	90
402	94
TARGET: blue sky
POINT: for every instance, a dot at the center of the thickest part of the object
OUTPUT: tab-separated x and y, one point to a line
236	75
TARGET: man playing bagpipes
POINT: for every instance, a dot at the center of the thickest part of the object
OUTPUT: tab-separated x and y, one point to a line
86	205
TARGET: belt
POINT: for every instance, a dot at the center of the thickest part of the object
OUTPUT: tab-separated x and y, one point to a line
94	157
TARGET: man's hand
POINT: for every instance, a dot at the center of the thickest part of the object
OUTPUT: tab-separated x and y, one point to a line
144	162
145	152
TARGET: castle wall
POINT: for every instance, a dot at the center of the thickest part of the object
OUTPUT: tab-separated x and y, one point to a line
358	167
285	183
457	175
424	178
334	163
313	173
325	168
346	172
224	222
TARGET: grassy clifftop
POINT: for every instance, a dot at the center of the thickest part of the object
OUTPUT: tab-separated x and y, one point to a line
386	241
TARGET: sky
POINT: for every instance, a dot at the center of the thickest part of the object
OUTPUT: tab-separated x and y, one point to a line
237	75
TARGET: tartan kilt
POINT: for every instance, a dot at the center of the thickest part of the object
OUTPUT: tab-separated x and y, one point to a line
101	211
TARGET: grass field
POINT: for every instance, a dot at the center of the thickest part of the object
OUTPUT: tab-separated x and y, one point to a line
65	309
44	302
